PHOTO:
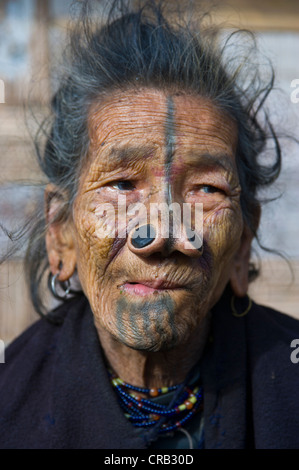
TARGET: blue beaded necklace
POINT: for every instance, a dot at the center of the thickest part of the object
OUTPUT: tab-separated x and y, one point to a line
146	413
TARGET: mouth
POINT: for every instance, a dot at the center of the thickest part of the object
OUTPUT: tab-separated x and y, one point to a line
147	287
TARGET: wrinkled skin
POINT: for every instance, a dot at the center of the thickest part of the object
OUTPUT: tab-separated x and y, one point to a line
149	151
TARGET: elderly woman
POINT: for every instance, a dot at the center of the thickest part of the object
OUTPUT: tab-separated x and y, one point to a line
161	347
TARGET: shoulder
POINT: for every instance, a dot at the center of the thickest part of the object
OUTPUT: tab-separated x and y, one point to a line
274	372
266	322
271	336
36	345
27	378
264	338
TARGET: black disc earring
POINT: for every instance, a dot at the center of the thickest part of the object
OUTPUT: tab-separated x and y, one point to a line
143	236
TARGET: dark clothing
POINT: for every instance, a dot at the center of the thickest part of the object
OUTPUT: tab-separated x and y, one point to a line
55	392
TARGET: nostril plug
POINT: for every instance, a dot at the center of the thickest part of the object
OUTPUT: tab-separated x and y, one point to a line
143	236
195	240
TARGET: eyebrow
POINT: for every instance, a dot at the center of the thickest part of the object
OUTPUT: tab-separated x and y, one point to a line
120	155
220	160
125	154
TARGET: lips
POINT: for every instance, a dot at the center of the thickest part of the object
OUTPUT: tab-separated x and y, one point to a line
146	287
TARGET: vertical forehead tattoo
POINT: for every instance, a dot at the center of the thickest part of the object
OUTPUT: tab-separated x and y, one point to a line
169	154
170	143
170	146
146	235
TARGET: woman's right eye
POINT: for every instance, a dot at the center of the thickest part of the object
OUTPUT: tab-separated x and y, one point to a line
123	185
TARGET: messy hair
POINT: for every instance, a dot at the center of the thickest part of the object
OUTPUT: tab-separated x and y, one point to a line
145	45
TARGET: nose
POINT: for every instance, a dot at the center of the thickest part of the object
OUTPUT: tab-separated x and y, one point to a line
149	239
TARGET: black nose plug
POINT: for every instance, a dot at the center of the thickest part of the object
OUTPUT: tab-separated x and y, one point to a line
143	236
195	240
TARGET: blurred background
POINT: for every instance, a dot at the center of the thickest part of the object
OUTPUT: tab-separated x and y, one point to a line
32	34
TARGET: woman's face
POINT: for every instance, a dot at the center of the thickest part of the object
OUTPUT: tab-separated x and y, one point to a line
148	148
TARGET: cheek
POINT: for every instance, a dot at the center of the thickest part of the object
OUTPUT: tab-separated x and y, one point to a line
94	240
95	234
222	231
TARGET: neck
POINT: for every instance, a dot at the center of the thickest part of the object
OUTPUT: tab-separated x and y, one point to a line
154	369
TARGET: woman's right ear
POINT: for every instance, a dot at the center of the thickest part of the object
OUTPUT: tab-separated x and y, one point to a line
59	236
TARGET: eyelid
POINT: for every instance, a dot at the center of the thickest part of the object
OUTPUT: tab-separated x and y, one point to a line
117	182
214	187
209	186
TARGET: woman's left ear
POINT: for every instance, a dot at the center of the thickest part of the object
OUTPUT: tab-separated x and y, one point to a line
239	273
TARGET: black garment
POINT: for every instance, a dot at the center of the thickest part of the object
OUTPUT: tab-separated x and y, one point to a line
55	392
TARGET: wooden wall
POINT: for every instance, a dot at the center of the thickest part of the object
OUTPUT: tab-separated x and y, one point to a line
30	35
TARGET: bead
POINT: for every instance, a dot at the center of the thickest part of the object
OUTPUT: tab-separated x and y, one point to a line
153	392
114	382
189	405
144	412
154	417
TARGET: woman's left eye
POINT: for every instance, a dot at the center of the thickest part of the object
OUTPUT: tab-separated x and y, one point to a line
208	189
123	185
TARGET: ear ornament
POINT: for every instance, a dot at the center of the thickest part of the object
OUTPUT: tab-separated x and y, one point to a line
53	284
234	309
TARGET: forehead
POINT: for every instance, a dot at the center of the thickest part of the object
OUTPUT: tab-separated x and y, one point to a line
144	118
